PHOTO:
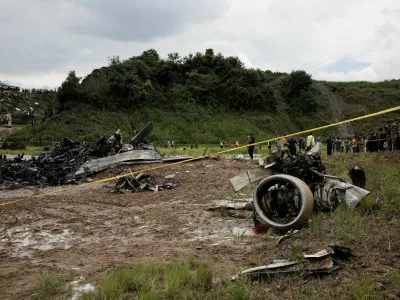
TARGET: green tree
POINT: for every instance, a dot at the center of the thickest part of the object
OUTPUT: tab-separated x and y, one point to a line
70	92
295	84
245	89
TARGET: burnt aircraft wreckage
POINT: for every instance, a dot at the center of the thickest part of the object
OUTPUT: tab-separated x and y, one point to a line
291	188
71	161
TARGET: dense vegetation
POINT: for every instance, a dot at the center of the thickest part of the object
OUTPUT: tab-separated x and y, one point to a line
203	98
209	80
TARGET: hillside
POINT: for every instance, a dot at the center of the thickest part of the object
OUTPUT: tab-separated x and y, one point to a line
205	98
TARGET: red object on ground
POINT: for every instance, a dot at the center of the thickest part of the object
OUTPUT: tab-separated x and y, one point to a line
244	207
260	229
215	158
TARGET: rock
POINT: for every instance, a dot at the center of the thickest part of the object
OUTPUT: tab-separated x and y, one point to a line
377	286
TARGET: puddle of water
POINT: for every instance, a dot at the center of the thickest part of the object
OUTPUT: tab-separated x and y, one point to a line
25	242
228	204
78	288
238	231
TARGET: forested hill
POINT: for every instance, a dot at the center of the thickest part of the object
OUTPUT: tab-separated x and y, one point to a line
206	97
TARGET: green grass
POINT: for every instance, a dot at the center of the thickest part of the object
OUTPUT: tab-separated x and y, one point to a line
48	285
30	150
201	125
175	280
86	296
347	225
363	289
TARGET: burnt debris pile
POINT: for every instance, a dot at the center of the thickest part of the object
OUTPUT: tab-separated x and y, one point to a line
64	163
139	183
46	169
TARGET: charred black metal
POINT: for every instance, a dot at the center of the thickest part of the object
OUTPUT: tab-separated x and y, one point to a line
46	169
58	166
302	167
139	183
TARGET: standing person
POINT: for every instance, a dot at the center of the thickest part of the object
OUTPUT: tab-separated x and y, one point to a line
221	144
364	141
237	144
369	143
292	146
388	129
338	142
284	146
301	143
354	144
251	140
279	147
382	139
310	141
329	146
269	147
348	146
397	142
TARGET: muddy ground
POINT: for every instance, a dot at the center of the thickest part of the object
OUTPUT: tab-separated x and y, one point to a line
87	231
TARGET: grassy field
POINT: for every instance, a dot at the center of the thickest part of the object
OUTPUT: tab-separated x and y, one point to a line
30	150
180	149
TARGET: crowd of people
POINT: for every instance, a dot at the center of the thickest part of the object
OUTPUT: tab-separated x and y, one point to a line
387	138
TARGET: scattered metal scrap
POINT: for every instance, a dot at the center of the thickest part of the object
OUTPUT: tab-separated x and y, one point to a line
70	161
324	262
328	260
267	272
290	188
287	235
139	183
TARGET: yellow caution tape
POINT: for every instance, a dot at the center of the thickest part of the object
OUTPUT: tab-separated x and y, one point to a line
201	157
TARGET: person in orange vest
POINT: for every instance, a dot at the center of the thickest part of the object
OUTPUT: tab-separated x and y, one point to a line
237	144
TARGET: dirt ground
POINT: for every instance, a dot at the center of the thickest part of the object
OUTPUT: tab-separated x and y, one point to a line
88	230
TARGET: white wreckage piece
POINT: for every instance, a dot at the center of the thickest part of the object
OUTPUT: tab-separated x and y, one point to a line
126	158
335	192
271	269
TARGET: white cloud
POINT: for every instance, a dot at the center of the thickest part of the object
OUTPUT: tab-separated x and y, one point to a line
366	74
46	39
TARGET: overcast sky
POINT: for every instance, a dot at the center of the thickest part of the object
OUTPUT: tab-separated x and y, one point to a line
342	40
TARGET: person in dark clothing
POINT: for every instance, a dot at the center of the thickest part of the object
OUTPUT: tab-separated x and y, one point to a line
397	142
251	140
388	130
292	143
382	139
329	146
